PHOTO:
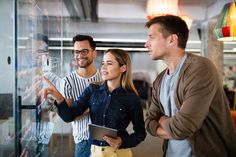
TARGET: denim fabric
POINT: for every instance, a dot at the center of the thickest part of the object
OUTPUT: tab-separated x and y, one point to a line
114	110
82	149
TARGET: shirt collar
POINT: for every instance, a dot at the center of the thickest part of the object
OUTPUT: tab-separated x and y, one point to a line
105	87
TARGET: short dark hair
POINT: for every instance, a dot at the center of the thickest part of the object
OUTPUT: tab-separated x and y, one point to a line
171	24
80	37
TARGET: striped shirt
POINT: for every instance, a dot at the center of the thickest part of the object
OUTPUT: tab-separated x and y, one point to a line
74	87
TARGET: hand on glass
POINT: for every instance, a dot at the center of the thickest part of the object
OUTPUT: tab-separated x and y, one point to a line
51	89
113	142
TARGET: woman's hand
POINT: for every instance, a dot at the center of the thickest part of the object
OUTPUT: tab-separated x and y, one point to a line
51	89
113	142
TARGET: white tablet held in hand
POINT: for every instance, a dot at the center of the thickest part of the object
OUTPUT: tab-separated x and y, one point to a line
97	132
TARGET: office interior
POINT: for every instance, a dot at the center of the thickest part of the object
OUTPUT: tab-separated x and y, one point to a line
36	37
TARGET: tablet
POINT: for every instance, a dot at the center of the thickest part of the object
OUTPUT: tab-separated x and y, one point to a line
97	132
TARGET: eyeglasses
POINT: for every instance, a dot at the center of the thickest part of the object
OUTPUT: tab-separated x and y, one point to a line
83	52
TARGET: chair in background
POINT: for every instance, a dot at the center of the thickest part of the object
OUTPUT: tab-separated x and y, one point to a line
144	91
142	83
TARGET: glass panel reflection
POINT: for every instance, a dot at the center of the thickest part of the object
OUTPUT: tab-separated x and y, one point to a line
42	131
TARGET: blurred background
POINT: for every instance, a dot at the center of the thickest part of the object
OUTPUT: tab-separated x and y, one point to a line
36	39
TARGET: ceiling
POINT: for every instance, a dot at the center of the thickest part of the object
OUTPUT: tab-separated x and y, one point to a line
113	22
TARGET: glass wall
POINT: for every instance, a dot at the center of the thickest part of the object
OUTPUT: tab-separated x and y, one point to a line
42	133
29	124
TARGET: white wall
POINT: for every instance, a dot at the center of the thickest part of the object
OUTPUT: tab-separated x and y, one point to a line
7	81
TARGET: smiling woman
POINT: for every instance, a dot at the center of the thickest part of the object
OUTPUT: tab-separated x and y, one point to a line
116	69
114	104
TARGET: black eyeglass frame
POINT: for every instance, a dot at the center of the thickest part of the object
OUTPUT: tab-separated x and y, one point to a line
83	52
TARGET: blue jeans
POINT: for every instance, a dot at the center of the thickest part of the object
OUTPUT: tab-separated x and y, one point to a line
82	149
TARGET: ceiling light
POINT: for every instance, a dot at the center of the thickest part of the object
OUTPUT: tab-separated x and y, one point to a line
165	7
225	28
161	7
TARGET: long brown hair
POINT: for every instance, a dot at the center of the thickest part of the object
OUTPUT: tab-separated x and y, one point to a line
123	58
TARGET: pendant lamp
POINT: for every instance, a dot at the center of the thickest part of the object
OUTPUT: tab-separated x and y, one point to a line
161	7
165	7
225	28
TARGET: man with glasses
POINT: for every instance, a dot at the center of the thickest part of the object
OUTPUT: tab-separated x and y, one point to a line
86	73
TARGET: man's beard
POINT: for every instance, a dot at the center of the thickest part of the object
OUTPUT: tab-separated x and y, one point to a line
86	64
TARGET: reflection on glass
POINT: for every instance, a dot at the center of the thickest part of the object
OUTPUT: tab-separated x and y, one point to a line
33	63
40	128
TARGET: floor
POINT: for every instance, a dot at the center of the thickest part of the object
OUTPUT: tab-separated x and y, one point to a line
150	147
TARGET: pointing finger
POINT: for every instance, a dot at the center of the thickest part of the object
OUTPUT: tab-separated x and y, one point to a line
49	82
